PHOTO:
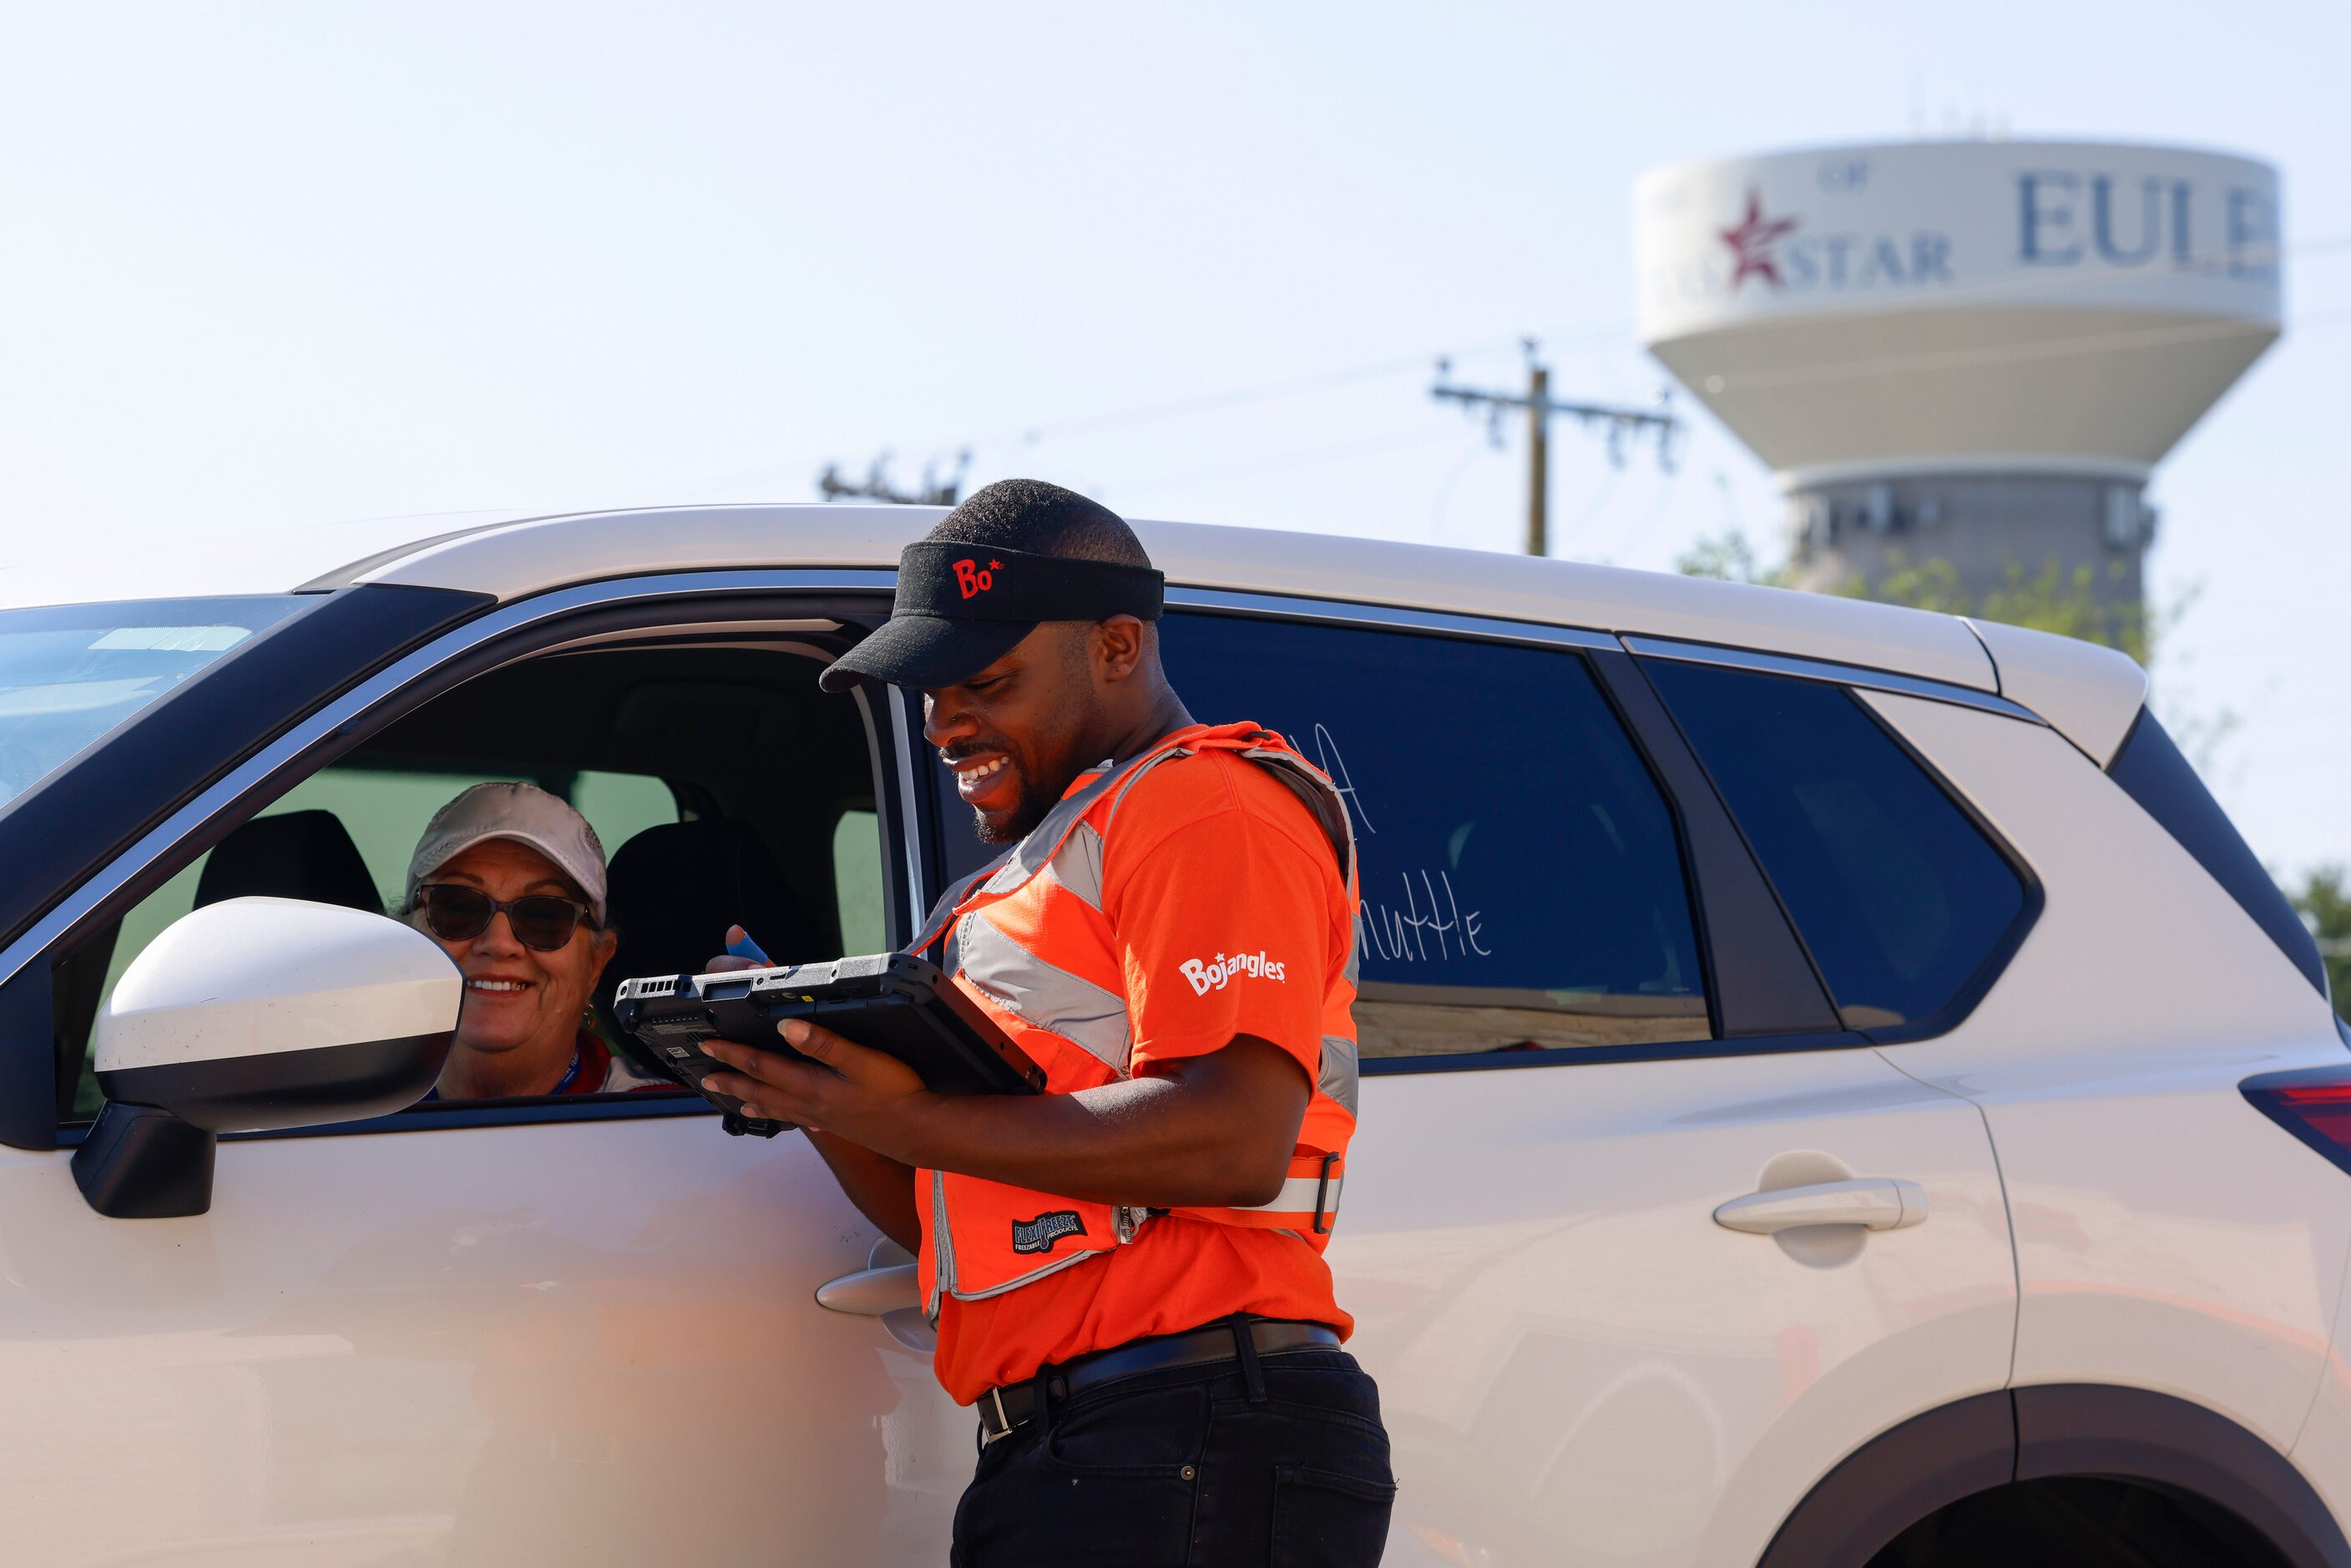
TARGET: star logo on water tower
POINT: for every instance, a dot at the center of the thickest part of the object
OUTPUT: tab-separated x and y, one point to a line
1751	241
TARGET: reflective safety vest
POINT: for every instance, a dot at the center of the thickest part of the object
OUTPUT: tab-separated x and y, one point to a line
1013	936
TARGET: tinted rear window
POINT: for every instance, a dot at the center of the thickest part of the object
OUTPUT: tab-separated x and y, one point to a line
2151	770
1900	898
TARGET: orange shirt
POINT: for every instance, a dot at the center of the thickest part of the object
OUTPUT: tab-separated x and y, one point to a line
1229	918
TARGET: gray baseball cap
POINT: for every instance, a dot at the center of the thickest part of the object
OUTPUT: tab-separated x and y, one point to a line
523	813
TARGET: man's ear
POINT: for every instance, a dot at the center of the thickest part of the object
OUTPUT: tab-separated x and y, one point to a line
1118	647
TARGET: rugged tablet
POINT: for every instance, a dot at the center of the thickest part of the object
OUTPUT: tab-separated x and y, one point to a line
892	1002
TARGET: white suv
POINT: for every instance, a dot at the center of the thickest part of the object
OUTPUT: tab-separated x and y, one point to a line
1836	1086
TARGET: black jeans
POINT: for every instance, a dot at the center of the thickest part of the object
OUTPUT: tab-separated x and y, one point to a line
1284	1464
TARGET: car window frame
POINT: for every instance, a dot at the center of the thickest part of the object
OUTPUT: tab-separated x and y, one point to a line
693	603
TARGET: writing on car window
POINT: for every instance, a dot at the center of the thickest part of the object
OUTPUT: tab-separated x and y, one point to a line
1521	880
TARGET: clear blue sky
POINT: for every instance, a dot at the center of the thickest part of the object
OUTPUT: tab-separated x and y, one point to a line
276	263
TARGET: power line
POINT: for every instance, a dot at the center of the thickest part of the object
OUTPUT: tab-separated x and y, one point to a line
1278	389
1294	460
875	485
1615	332
1205	403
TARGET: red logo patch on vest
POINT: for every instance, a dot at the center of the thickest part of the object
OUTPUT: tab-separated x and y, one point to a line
972	578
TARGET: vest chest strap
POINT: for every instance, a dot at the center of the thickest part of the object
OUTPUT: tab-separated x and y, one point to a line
1308	1201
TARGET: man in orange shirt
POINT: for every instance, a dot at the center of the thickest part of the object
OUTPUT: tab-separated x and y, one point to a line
1126	1271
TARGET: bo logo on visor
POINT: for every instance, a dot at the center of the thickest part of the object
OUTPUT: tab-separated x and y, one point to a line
972	579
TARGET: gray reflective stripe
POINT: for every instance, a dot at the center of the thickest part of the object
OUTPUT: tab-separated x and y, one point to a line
947	905
1078	864
1055	1267
1338	1071
1015	866
942	1246
1036	850
1329	808
1297	1196
1050	997
1320	798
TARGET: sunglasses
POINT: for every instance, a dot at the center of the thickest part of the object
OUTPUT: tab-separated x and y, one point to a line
540	921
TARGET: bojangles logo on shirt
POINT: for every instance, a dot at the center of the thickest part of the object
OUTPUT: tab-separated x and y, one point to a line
1222	970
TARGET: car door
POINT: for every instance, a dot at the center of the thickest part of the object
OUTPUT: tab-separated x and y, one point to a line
498	1332
1586	1026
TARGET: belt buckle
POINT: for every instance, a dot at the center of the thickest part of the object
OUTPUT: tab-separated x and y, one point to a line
1003	1422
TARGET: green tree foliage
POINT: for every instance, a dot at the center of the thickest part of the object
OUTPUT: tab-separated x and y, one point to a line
1728	558
2325	903
2052	600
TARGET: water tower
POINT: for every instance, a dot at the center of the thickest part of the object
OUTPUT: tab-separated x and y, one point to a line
1973	351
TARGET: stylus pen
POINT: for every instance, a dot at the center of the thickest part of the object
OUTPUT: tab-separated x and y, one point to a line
746	948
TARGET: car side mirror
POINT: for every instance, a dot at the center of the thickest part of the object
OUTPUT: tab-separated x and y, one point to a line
251	1014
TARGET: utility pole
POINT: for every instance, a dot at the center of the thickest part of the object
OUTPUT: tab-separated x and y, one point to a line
1538	456
876	485
1541	406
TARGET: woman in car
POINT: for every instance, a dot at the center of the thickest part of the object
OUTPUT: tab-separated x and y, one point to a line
510	881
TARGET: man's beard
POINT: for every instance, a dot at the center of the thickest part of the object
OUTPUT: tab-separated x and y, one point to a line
1035	801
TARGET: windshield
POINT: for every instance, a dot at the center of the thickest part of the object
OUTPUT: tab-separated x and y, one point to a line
70	673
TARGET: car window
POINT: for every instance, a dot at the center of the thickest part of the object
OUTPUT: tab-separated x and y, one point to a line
2152	771
383	809
1899	895
725	787
70	673
1522	884
857	882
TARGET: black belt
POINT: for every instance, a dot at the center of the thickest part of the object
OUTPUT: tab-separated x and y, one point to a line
1014	1405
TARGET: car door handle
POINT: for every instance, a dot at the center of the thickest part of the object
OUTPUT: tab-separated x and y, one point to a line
1877	1203
870	1292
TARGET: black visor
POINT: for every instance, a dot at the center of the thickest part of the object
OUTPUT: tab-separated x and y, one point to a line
960	608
